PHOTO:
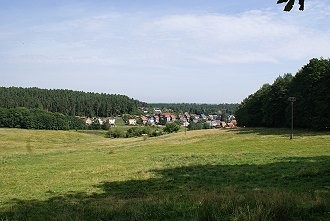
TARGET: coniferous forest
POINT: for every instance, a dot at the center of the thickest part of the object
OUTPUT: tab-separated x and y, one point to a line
68	102
269	106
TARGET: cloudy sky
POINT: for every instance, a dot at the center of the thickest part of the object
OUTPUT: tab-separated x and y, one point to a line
202	51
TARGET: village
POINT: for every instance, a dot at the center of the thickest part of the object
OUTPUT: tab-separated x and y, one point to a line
159	118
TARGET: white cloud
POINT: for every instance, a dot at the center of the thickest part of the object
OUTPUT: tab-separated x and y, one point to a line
246	38
254	47
174	40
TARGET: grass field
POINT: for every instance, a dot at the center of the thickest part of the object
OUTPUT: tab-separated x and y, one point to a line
245	174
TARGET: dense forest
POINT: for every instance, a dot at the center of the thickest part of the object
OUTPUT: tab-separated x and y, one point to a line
269	106
194	108
68	102
38	119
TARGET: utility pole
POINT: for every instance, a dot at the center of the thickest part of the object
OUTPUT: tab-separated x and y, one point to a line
291	99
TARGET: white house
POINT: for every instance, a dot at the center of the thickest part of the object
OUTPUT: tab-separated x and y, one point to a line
157	111
100	121
131	121
88	121
112	121
185	124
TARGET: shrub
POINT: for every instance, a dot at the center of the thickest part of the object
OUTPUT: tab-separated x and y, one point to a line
115	133
171	127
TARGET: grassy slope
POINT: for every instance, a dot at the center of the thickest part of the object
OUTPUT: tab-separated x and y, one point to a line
212	174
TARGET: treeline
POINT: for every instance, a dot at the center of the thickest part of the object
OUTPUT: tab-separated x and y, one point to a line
194	108
68	102
269	106
38	119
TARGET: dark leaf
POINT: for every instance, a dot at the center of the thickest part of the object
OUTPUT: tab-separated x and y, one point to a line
289	5
302	5
281	1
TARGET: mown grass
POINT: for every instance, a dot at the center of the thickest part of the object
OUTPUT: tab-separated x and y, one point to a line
244	174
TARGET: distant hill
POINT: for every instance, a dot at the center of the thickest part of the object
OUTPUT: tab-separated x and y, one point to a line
68	102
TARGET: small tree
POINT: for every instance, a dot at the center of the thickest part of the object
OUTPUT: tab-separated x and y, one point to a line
171	127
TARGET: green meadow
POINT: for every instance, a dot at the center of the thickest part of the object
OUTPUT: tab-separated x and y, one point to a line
241	174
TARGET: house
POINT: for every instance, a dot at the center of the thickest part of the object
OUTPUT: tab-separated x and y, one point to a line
187	115
131	121
173	117
156	118
167	117
144	119
100	121
112	121
231	117
157	111
185	123
151	121
88	121
182	118
223	124
231	125
212	123
203	116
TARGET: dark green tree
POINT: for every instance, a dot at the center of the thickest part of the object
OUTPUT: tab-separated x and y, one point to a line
275	105
171	127
311	88
251	111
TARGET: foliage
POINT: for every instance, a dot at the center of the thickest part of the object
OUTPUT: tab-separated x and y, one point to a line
199	126
38	119
269	106
245	174
68	102
311	88
290	3
172	127
115	133
137	131
121	132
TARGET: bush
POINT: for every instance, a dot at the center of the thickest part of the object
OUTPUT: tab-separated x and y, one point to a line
115	133
171	127
199	126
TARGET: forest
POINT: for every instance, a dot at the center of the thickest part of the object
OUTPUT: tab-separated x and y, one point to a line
22	117
68	102
194	108
269	106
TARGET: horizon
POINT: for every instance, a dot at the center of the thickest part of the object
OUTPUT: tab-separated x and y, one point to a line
202	52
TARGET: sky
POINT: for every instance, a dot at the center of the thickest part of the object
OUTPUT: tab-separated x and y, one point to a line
173	51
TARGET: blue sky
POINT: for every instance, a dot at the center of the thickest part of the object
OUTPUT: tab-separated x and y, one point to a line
203	51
